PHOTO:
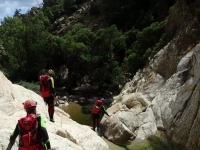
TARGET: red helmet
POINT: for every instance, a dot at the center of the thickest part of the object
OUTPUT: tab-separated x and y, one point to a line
29	103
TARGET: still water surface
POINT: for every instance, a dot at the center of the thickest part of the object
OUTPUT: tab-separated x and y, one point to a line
155	142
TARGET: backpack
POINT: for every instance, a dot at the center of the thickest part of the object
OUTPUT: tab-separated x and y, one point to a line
44	87
28	130
97	107
99	103
96	110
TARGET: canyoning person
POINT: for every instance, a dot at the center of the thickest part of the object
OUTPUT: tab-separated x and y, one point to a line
97	112
31	130
47	91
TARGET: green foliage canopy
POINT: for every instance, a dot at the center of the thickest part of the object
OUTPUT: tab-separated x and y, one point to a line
106	55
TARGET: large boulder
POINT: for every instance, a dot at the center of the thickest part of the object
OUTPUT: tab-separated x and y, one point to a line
129	119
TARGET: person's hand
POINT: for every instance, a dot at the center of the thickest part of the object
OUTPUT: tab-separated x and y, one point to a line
9	147
55	99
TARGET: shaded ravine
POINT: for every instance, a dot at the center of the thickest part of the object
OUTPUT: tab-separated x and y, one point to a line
156	142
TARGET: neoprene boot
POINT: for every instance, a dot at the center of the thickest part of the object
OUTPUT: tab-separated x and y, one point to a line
51	118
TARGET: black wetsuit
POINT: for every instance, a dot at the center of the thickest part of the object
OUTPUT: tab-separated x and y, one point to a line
50	100
96	118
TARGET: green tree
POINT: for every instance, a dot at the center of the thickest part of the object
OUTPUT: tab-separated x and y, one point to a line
143	43
12	32
137	13
23	40
76	48
109	44
53	9
109	51
49	14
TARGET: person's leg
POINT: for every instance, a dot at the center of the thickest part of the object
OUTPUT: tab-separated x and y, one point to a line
98	122
47	102
93	124
94	119
51	109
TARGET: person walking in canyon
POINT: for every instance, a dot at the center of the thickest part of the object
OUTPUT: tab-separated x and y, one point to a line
31	130
47	91
97	110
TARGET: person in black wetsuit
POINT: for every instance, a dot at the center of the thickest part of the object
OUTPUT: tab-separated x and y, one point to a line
97	110
48	93
38	138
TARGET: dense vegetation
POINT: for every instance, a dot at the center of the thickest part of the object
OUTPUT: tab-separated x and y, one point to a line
137	28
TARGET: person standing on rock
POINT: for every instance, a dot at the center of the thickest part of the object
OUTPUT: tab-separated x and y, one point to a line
47	91
31	130
97	110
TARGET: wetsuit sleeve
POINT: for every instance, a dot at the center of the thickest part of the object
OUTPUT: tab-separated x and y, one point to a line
51	86
104	111
44	132
15	134
12	138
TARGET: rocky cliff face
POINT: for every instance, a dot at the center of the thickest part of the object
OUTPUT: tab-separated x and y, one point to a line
165	94
83	16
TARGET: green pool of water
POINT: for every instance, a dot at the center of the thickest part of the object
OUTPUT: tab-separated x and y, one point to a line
156	142
75	111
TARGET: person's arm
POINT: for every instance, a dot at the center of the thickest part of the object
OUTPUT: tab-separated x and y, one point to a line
51	86
44	132
104	111
12	138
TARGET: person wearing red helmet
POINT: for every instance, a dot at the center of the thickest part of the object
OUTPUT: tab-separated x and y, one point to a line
96	112
31	130
47	91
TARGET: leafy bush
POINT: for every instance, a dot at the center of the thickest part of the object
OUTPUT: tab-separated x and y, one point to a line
30	85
